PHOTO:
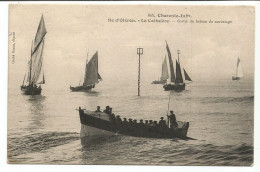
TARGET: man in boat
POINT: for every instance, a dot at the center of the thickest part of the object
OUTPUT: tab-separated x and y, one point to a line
155	123
107	109
172	118
162	123
151	123
125	121
112	118
118	120
146	122
98	109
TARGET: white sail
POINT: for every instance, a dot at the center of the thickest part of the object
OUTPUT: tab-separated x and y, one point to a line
165	74
239	72
92	76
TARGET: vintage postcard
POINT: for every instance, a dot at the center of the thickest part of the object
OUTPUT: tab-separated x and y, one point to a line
131	84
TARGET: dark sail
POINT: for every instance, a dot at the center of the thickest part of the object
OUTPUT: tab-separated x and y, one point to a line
186	75
179	78
37	53
41	32
171	63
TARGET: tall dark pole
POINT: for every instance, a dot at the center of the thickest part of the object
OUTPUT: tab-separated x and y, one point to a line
139	52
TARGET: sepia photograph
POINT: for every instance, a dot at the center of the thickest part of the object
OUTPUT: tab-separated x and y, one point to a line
168	85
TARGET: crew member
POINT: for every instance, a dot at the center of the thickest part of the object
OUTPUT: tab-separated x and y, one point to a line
107	109
151	123
130	122
172	118
118	119
125	121
155	123
98	109
162	123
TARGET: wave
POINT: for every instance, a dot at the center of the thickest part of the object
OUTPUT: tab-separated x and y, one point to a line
206	154
245	99
38	142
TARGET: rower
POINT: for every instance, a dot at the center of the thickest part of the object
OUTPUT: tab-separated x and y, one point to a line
107	110
130	120
125	121
151	123
118	120
146	122
98	109
162	123
112	118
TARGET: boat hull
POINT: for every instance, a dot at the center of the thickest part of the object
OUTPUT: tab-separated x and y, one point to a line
235	78
98	125
176	87
31	90
82	88
159	82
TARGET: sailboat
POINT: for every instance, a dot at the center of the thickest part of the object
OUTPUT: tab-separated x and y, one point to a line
164	75
239	73
177	82
91	77
35	63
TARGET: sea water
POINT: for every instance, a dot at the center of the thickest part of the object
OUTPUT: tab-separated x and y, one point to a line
44	129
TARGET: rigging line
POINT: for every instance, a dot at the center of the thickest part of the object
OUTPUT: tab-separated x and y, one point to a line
168	122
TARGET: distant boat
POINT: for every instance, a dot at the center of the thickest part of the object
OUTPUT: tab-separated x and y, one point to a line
177	82
91	77
35	63
239	73
164	75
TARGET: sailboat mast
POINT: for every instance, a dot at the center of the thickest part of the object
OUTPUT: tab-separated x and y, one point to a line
178	52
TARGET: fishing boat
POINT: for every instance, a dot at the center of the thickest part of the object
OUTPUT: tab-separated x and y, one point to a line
91	77
34	68
176	81
100	124
164	75
239	73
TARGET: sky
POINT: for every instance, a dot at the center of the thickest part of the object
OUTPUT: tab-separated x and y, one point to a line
76	32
